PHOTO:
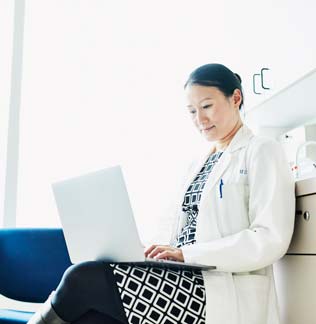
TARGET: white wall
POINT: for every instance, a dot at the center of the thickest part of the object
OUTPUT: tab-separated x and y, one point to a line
102	84
6	34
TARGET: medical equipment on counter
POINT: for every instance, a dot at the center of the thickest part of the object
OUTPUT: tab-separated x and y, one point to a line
305	168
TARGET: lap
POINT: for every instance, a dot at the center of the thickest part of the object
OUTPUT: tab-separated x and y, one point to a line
156	293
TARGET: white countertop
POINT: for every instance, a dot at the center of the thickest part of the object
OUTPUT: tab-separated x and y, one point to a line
305	187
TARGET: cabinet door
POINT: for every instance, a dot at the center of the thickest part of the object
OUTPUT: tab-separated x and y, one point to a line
304	238
296	289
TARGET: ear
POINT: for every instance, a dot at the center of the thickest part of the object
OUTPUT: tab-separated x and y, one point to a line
237	98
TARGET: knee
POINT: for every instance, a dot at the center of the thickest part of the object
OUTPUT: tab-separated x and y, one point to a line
79	275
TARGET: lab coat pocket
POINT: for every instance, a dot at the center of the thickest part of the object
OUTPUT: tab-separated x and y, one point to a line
234	206
252	298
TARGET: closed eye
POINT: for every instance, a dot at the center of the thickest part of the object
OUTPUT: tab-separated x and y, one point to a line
204	107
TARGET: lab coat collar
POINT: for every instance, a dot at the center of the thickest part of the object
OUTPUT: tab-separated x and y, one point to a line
240	139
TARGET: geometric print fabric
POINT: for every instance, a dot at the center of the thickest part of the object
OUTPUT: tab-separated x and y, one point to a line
154	295
192	196
191	202
163	296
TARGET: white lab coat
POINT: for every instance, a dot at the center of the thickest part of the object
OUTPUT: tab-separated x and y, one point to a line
243	232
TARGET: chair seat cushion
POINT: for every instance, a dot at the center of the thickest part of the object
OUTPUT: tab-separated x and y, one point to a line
8	316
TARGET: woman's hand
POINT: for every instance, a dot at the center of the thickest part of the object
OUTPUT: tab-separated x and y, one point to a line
164	252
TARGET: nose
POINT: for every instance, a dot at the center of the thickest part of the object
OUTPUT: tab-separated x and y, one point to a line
201	117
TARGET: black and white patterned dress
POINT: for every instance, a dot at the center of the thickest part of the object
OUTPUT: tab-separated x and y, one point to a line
162	296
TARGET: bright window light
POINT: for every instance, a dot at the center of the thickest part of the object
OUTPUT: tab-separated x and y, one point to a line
103	85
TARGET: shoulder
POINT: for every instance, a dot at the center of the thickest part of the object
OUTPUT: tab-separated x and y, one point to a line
264	145
266	153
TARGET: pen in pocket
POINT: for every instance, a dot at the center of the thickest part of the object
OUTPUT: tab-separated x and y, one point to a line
221	189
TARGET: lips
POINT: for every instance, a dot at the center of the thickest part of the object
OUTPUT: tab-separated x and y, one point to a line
206	129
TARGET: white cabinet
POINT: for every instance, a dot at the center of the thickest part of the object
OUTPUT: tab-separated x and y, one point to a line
295	274
304	238
286	109
296	288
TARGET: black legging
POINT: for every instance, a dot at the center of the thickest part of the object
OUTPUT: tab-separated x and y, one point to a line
87	293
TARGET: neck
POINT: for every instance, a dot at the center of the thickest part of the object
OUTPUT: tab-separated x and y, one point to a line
221	144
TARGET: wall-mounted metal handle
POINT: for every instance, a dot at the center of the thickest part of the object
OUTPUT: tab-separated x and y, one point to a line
263	87
262	83
254	83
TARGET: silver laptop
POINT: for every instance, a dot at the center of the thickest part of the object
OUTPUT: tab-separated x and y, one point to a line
98	222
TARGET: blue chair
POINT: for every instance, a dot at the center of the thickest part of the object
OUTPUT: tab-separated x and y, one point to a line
32	262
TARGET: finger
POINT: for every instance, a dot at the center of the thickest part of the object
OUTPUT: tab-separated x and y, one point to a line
172	255
156	250
149	249
153	250
162	250
169	255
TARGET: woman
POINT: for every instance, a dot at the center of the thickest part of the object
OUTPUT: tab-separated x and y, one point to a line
235	211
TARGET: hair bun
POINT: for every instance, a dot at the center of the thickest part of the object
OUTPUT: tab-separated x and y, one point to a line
238	77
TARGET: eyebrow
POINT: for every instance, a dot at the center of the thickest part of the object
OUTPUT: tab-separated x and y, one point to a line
200	101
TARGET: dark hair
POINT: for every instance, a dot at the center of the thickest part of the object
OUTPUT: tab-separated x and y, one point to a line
216	75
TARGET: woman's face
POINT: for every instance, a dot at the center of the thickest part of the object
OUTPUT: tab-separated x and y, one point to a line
213	114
